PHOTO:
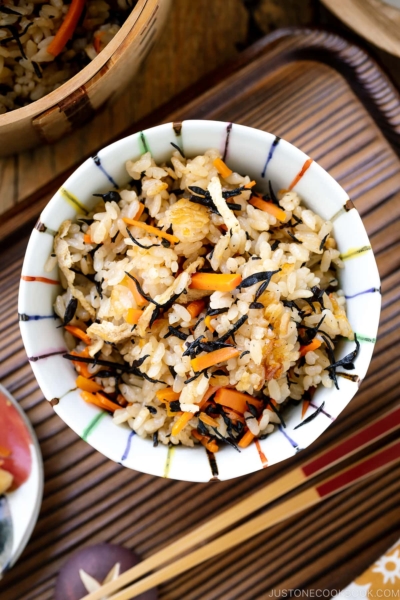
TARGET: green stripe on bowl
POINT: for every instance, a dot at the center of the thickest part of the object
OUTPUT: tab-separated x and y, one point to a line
144	146
92	425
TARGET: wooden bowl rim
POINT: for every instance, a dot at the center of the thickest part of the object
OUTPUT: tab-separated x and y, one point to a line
79	79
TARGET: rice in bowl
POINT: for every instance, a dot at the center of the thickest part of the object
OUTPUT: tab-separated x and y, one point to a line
31	66
200	308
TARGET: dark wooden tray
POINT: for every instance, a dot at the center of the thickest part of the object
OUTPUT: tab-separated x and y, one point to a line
330	99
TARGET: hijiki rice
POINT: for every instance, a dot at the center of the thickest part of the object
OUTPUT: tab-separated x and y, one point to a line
195	307
43	43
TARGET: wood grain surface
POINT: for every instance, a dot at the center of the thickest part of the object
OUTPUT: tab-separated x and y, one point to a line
372	19
328	98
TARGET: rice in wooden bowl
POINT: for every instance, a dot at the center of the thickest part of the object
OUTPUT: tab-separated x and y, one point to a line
61	61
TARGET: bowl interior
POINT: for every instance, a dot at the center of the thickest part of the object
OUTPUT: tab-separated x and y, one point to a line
249	151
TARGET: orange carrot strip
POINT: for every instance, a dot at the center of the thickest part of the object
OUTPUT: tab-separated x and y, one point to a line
139	212
246	439
122	400
97	40
212	358
207	322
181	422
152	230
211	390
98	401
311	346
140	301
233	415
268	207
87	385
304	408
208	420
250	185
87	239
167	395
215	281
82	368
222	168
133	315
195	307
236	400
197	435
211	445
106	403
76	332
67	28
90	398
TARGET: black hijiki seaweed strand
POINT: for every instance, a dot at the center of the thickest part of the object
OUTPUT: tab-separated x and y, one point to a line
9	11
179	149
256	305
192	347
270	405
195	376
154	316
227	440
331	356
175	406
141	292
70	311
311	417
275	245
111	196
213	312
15	36
274	199
347	362
175	331
139	244
234	329
208	203
252	410
311	332
257	278
132	370
322	244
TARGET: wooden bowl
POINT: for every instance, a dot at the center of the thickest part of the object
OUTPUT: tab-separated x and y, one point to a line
100	82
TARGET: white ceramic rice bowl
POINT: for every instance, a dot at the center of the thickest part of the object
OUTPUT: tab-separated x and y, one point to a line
263	157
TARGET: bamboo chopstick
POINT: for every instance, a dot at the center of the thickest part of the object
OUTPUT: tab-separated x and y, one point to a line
382	426
381	459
